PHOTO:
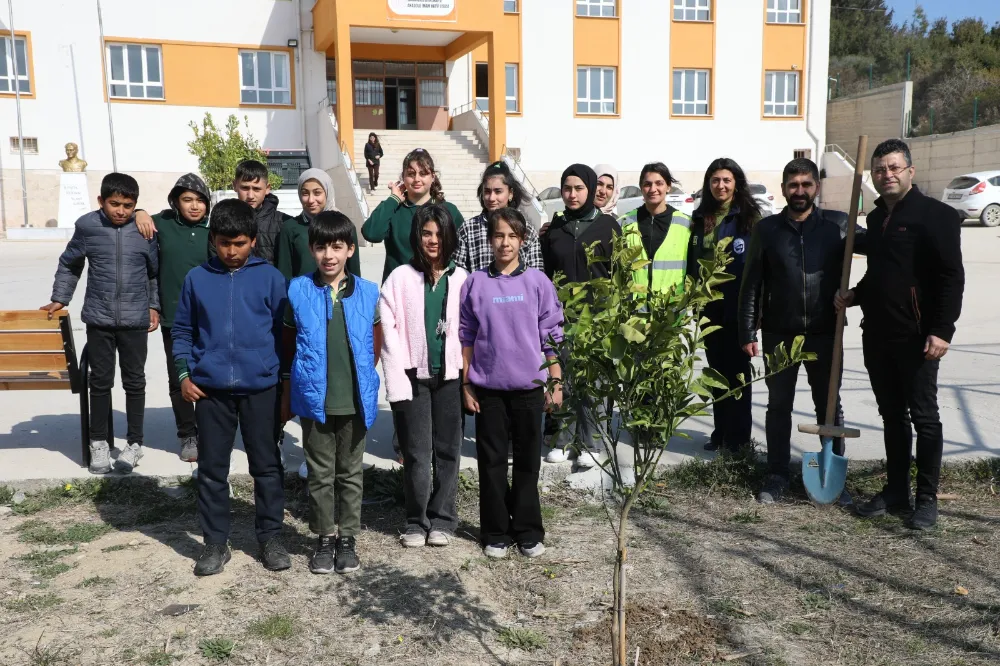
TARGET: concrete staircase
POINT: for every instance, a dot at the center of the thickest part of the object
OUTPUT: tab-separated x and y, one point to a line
839	167
459	158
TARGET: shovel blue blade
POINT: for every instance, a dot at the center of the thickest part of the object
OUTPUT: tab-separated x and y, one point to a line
824	473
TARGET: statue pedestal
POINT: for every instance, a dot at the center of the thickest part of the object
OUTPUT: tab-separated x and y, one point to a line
74	199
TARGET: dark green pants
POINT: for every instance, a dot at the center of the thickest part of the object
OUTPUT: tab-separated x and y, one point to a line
334	453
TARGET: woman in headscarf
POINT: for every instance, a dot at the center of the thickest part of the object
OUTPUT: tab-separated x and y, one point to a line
606	198
294	257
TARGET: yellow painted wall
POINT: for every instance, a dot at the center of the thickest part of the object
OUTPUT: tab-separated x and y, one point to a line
596	41
402	52
692	45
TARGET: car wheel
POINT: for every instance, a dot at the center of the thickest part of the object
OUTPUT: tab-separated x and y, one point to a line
990	216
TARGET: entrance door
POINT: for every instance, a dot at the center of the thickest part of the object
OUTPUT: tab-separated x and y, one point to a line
391	104
407	104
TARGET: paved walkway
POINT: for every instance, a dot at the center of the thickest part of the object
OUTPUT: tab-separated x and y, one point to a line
39	431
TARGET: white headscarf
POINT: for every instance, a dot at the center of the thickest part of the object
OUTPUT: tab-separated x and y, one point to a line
608	170
323	178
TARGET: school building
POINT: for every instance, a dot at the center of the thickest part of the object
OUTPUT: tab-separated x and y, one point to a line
545	82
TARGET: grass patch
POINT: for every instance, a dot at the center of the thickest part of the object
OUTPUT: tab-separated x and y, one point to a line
159	658
731	474
814	601
549	513
34	602
108	633
516	638
747	517
6	494
273	627
37	531
118	547
96	581
217	649
727	606
52	570
46	655
385	485
44	557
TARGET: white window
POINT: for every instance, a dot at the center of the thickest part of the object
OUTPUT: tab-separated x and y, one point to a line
784	11
690	95
431	92
510	71
595	7
781	94
30	145
369	92
692	10
264	78
595	90
510	6
9	57
135	71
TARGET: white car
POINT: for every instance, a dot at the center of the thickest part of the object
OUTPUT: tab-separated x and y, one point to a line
551	200
764	198
630	198
976	195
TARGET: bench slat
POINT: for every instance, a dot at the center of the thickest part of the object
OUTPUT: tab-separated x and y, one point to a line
40	362
43	385
29	320
15	341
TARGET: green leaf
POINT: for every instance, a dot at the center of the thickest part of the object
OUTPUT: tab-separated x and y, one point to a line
618	347
631	334
713	378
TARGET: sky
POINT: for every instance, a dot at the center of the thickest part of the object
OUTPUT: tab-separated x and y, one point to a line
988	10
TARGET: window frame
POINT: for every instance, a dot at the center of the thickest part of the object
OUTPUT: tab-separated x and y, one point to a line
516	97
601	100
769	89
685	73
126	82
600	5
432	80
771	15
256	77
682	6
9	54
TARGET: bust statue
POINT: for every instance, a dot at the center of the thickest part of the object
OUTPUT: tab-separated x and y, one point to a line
72	163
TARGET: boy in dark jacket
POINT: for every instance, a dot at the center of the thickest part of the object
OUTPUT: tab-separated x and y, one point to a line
252	187
226	347
120	309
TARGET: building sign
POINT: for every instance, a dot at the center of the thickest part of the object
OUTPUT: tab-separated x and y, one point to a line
423	10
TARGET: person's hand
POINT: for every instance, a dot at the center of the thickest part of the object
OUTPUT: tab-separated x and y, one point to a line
545	227
469	398
554	399
370	163
154	320
286	402
935	348
189	391
751	349
397	190
52	308
843	302
144	223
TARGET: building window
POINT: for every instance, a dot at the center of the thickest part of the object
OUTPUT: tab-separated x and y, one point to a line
264	78
331	81
595	90
690	96
510	6
595	7
511	87
784	11
802	154
431	69
432	92
692	10
135	71
18	55
30	145
369	92
781	94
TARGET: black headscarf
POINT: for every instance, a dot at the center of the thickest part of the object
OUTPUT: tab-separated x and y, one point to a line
589	178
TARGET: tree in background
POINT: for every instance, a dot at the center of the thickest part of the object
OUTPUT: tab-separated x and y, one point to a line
218	152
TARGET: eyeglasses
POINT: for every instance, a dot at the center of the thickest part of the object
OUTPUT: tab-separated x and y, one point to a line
892	170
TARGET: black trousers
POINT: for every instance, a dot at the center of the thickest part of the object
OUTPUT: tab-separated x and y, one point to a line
218	415
131	344
183	410
373	175
905	387
732	416
509	513
781	397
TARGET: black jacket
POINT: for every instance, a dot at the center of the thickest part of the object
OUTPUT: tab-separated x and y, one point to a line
563	247
915	277
792	273
269	223
373	153
724	312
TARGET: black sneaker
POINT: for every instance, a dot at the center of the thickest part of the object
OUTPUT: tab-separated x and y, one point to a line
213	559
925	515
273	555
347	556
322	561
879	506
773	490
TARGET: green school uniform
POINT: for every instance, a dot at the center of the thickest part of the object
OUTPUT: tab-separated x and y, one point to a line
295	258
391	222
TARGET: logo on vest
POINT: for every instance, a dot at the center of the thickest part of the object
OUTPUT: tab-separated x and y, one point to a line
739	246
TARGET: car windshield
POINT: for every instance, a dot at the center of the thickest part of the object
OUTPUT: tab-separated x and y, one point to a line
676	190
963	183
756	188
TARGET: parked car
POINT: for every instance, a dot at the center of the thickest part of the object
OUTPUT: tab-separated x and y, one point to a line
760	193
976	195
630	198
551	200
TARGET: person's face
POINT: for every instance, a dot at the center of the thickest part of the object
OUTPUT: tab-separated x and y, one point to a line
723	185
574	193
430	241
506	243
891	176
313	197
417	180
71	150
331	259
233	252
191	206
800	192
372	139
654	189
605	190
496	194
117	208
252	192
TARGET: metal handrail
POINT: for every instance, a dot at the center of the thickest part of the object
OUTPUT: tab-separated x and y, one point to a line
834	148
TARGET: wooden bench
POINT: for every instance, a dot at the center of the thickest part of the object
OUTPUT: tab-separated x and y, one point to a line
38	354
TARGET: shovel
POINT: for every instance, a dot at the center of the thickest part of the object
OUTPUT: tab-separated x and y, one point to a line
824	473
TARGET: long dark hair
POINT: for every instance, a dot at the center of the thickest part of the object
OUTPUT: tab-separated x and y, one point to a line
749	209
378	144
517	191
449	238
424	159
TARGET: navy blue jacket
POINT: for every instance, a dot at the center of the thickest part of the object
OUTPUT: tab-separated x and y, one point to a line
227	329
724	312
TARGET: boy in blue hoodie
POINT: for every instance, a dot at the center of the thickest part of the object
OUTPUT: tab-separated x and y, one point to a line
226	349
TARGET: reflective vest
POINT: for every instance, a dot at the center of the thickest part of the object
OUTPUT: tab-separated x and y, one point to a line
670	261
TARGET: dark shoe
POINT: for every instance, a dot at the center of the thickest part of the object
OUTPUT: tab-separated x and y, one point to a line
189	449
879	506
273	555
845	499
773	490
347	556
925	515
212	560
712	446
322	561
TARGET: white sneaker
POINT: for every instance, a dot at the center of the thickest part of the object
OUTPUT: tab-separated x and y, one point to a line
531	549
557	455
438	538
588	459
413	539
100	458
129	458
495	551
303	470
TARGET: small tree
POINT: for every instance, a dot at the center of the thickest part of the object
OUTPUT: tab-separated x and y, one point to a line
634	352
218	152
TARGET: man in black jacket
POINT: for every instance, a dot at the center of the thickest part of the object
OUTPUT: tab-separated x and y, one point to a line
792	272
911	298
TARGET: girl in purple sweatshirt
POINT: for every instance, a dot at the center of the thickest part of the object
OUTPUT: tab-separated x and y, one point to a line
510	314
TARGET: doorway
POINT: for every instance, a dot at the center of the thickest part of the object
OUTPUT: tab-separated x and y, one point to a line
400	103
483	86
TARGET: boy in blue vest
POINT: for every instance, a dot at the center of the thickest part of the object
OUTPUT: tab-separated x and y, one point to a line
226	344
333	339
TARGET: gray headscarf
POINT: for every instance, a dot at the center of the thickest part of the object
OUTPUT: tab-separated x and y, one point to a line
323	178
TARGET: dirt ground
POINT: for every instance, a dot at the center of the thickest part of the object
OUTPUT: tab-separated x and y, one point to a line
91	572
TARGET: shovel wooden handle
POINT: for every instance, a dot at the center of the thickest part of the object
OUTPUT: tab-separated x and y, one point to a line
845	282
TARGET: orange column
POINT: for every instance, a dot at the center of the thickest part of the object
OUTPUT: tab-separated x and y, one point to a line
345	86
498	100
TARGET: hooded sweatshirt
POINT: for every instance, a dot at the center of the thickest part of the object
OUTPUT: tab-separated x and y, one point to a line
295	257
612	173
183	244
391	222
269	223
